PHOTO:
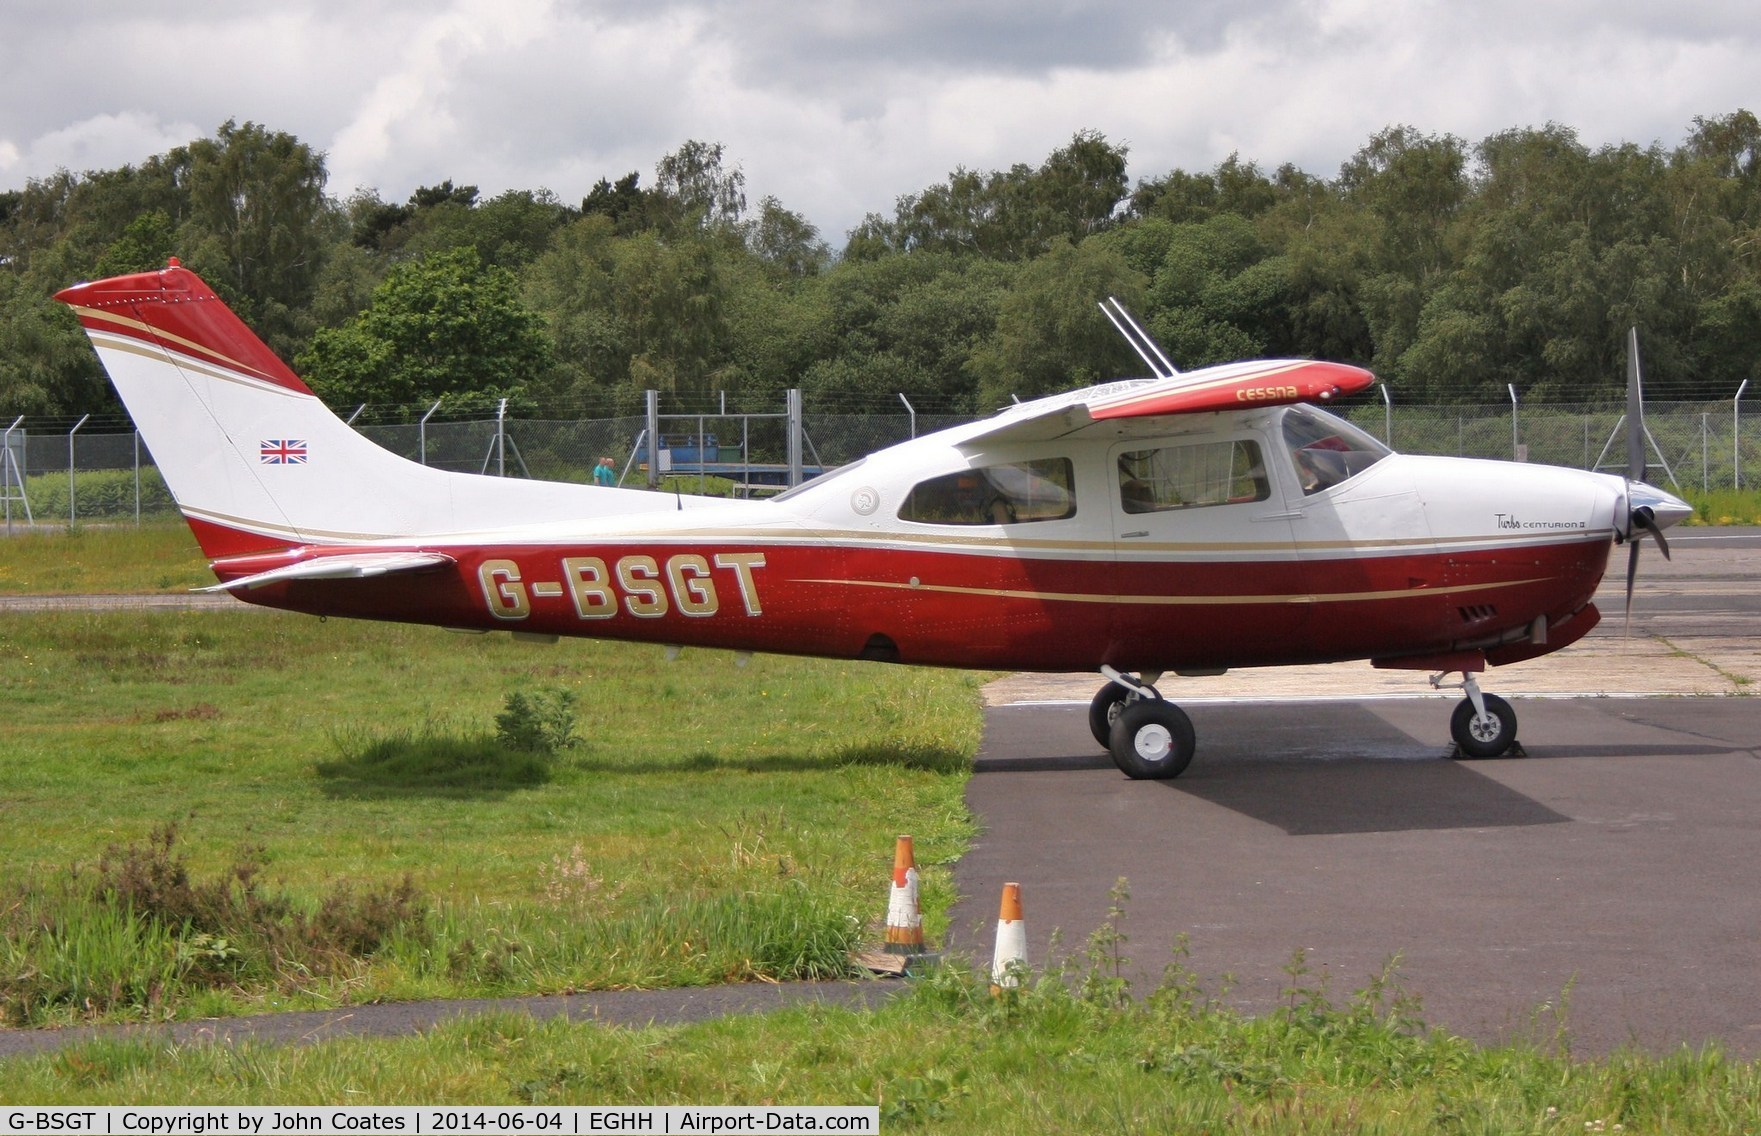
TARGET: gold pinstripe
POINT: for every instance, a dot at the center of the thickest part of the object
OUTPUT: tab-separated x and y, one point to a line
128	345
1175	601
159	333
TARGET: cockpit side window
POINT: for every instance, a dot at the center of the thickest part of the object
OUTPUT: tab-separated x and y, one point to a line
1192	475
1007	494
1327	450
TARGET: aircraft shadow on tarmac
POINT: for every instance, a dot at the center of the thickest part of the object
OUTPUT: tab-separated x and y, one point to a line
1310	770
1315	769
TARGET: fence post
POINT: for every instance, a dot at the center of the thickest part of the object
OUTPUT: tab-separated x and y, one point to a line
653	439
794	415
1387	417
12	473
137	478
911	410
1705	451
501	438
70	468
1515	449
1736	437
422	433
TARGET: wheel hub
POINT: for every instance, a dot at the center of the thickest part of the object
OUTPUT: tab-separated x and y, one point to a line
1485	727
1153	742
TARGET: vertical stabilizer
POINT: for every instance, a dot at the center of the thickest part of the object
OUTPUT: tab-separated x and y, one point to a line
255	460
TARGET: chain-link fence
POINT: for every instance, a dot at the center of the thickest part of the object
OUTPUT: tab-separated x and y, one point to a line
1690	445
54	472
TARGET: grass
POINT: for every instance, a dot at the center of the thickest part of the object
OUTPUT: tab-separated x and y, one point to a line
1067	1052
1724	506
157	557
210	813
712	823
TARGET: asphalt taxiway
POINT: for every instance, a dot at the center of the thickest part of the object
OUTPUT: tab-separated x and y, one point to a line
1600	891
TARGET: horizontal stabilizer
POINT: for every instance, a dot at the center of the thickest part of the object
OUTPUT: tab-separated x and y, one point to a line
344	566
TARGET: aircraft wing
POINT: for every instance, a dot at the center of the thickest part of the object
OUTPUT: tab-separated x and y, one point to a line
344	566
1231	386
1235	386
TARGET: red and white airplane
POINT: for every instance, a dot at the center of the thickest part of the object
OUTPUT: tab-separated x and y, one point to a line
1184	523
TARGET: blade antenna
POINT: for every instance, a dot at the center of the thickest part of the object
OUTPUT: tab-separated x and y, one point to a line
1141	341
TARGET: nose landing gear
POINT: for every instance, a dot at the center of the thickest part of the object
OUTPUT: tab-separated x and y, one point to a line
1483	725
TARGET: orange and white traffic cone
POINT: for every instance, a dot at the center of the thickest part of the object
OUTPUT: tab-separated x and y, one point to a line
904	916
1011	942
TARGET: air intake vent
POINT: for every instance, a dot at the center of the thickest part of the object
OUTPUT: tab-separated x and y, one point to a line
1477	613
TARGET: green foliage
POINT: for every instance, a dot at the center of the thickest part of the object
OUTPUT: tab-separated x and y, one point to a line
1009	215
141	933
342	750
1051	335
538	721
1452	268
448	325
99	494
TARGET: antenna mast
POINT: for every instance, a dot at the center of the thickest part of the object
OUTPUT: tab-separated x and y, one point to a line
1141	341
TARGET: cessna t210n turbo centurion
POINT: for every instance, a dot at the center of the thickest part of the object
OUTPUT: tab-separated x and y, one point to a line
1185	523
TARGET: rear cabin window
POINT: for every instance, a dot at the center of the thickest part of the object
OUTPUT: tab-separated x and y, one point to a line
1015	493
1192	476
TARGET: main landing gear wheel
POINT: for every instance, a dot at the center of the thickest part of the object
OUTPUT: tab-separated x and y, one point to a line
1483	735
1104	710
1151	739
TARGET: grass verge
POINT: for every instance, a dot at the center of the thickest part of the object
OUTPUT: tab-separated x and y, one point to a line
1724	506
189	799
1066	1052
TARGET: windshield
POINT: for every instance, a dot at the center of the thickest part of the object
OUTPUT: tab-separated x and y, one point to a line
815	482
1327	450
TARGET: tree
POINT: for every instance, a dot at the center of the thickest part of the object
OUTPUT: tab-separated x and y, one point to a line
375	222
46	364
258	222
1233	187
1050	334
912	324
786	240
626	206
1007	215
447	325
1410	186
1217	294
701	192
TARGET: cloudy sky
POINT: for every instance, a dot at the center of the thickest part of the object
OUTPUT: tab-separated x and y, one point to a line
837	107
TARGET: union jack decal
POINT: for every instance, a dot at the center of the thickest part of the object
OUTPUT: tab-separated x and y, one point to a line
283	451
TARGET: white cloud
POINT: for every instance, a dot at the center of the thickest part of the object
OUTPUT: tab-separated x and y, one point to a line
101	142
840	107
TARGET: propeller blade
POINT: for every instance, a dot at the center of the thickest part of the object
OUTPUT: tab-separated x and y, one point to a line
1635	410
1632	573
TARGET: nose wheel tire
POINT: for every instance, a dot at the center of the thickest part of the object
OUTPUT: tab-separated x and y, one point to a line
1483	735
1151	740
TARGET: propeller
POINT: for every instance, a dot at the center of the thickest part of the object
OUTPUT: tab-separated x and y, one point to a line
1641	519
